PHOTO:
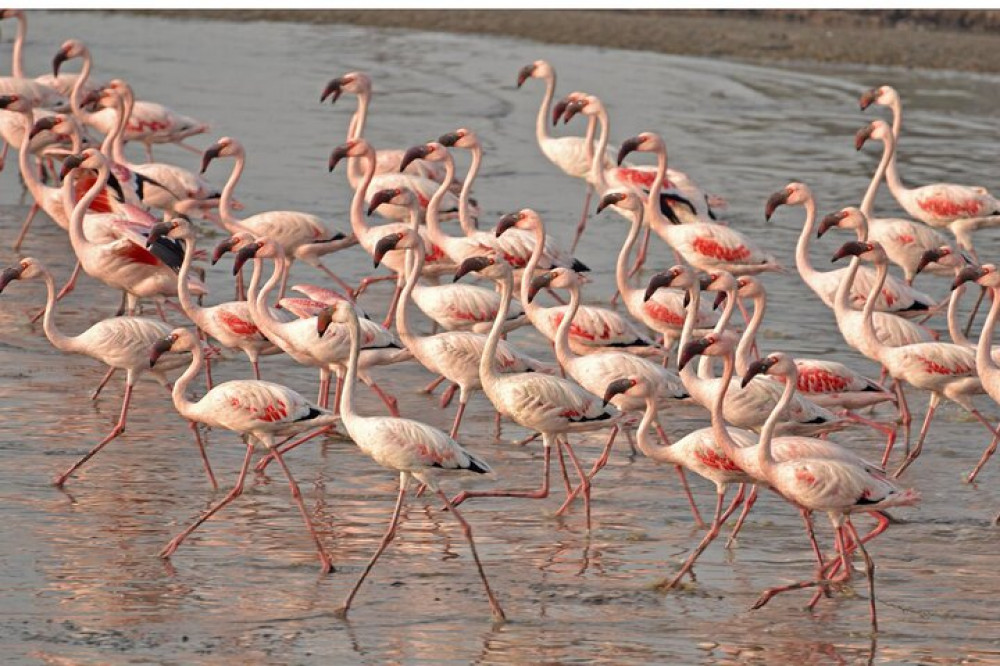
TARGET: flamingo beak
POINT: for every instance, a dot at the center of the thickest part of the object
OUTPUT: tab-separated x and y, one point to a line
779	198
508	221
157	231
334	88
385	245
472	264
929	257
862	135
617	387
610	199
210	154
246	252
692	349
9	275
850	249
830	221
160	347
222	248
559	109
41	125
720	298
323	321
449	140
7	100
524	74
573	108
967	274
70	163
760	366
538	283
414	153
379	198
339	153
628	146
656	282
57	61
868	98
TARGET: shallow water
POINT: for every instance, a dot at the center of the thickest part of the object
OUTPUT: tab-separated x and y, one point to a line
81	580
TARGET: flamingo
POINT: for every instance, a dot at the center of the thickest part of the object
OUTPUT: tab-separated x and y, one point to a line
664	311
149	122
455	306
61	84
231	322
124	263
944	369
594	327
704	245
896	297
454	355
840	486
359	84
960	208
303	236
121	343
595	371
255	409
412	448
550	405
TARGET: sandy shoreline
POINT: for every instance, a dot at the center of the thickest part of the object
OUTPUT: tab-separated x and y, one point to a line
956	40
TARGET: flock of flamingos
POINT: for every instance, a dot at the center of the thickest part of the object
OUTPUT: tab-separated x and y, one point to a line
774	418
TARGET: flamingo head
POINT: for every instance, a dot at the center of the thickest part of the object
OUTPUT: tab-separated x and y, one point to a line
57	123
402	240
749	287
460	138
589	105
431	151
635	387
622	199
355	83
985	276
721	282
845	218
791	194
778	364
179	340
883	96
15	103
26	269
559	108
91	158
525	218
234	243
224	147
396	196
557	278
876	129
867	250
646	142
177	227
12	13
489	265
676	277
353	148
713	344
262	247
536	70
71	48
340	313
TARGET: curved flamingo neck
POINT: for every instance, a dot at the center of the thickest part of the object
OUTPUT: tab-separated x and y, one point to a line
30	176
127	104
182	404
886	170
687	374
644	440
112	147
55	336
897	126
891	171
719	430
347	413
954	328
191	308
358	225
841	299
77	238
413	266
74	96
433	218
705	362
597	161
541	121
985	364
488	373
355	130
621	267
532	309
802	260
229	221
654	216
750	335
764	455
17	56
867	314
564	354
464	216
263	311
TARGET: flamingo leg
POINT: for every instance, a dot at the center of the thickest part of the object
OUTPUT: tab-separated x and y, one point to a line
598	465
24	227
391	314
433	385
932	406
237	490
541	493
584	479
448	394
498	613
104	382
390	402
751	499
906	418
117	430
326	566
458	420
713	532
204	455
323	397
990	450
266	460
583	218
732	505
369	281
888	430
387	538
256	369
333	276
687	491
869	571
562	468
496	426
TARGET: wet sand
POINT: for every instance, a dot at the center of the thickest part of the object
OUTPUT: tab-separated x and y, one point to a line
955	40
